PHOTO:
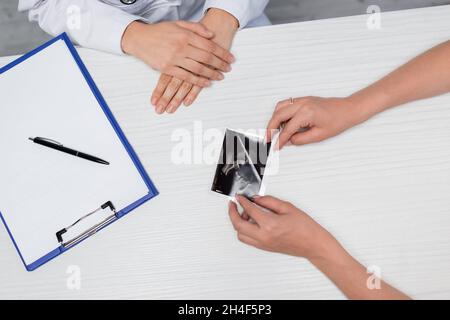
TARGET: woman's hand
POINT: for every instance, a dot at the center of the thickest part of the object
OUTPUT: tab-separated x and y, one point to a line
171	92
313	119
328	117
275	225
181	49
279	226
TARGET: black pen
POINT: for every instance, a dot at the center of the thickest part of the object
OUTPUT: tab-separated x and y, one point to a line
58	146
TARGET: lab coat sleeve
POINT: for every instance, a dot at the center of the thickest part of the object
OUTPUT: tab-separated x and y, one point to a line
243	10
89	23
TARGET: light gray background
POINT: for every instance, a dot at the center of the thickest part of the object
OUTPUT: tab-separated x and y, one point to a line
18	35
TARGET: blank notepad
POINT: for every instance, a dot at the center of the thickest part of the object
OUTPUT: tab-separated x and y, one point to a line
43	190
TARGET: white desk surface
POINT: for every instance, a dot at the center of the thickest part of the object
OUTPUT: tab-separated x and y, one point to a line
383	188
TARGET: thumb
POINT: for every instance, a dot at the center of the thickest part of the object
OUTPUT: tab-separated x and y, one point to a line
310	136
196	27
271	203
287	132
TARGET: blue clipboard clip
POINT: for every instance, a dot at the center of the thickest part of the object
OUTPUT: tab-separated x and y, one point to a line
89	232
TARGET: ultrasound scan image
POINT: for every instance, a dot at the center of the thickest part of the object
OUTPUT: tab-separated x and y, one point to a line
241	165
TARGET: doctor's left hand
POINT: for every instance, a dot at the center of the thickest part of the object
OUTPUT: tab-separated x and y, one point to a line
170	91
180	48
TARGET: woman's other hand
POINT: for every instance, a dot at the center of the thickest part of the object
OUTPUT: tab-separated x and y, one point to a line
312	119
279	226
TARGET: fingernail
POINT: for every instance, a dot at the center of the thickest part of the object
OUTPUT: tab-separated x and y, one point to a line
228	68
187	102
207	83
170	109
160	109
232	58
220	76
153	101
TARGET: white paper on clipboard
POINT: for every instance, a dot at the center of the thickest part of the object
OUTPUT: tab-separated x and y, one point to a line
44	190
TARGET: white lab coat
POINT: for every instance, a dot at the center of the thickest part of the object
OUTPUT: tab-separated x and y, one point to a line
100	24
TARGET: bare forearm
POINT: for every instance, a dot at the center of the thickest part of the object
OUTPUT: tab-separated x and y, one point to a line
351	277
425	76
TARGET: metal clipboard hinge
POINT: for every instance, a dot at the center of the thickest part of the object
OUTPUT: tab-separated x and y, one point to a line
89	232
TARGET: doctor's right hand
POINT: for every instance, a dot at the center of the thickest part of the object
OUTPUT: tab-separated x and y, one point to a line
181	49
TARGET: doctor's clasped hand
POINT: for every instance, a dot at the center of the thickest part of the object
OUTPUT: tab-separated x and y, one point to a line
171	92
182	49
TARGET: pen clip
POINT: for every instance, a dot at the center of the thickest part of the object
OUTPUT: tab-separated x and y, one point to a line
50	140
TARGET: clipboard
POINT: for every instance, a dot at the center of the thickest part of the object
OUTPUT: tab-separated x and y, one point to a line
127	157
